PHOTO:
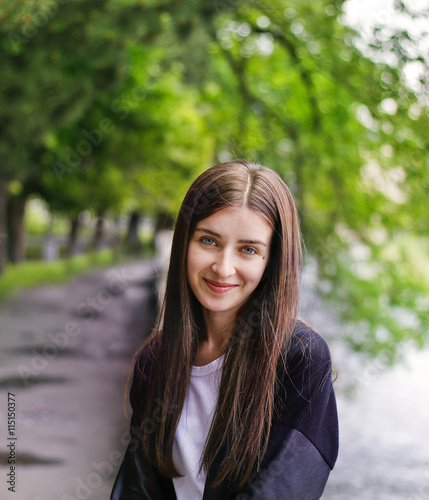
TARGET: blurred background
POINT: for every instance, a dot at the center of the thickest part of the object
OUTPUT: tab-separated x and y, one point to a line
108	110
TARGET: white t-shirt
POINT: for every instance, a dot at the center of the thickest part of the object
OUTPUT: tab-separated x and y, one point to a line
192	430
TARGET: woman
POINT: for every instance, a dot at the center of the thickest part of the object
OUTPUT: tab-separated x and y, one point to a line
232	395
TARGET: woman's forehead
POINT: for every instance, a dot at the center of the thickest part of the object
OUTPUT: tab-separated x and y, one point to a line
237	223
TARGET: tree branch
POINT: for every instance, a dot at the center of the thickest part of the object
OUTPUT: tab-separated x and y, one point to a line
305	75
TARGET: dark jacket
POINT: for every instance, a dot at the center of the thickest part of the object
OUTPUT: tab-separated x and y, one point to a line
303	442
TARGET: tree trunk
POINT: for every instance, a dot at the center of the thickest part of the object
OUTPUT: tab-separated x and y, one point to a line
3	225
73	233
15	210
97	242
133	241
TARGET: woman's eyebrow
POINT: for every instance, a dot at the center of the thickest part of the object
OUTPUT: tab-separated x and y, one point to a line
249	242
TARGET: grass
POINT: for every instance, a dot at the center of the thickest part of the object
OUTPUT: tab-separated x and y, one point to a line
35	273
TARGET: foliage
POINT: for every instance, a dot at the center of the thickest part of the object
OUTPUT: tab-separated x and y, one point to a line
112	106
30	274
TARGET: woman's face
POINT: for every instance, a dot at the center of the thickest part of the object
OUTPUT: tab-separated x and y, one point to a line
227	256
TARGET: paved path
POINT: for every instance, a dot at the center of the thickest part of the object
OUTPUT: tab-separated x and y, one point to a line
65	355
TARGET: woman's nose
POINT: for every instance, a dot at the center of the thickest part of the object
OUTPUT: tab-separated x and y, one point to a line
223	265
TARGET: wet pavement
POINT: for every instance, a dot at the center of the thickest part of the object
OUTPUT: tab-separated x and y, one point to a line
384	452
65	353
383	415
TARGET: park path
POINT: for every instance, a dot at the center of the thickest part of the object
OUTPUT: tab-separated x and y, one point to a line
65	354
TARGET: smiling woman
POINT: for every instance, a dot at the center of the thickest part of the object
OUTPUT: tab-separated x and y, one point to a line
224	270
236	389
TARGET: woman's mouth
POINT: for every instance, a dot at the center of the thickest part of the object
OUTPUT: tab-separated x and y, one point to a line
219	287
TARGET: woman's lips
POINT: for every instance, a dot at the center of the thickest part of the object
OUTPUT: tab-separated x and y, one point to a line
218	287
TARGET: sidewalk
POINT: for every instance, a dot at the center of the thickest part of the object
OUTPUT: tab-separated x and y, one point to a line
66	351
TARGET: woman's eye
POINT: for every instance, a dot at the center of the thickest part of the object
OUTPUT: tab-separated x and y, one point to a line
207	241
249	251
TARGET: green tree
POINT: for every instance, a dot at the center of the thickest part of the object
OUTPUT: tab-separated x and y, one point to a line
58	58
286	85
185	84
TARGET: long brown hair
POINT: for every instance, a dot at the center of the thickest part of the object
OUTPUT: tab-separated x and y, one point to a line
263	328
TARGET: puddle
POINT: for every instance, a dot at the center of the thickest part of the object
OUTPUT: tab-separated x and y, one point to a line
26	382
29	459
43	350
